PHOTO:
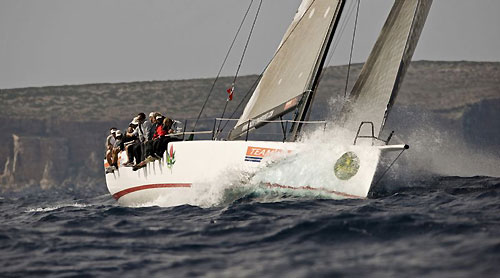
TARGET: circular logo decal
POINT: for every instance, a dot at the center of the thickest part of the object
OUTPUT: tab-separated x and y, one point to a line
346	166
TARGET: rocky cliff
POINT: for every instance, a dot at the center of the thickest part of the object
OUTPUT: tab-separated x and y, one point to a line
54	136
49	153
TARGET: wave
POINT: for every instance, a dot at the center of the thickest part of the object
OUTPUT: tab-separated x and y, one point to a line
283	232
56	207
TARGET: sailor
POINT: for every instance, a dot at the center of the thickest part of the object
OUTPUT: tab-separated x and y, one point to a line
176	128
142	127
152	121
169	125
160	131
154	124
143	131
161	144
110	141
137	150
145	127
119	141
133	148
164	135
131	128
153	145
130	141
148	149
117	148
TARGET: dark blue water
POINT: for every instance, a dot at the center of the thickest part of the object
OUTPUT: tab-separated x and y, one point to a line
438	227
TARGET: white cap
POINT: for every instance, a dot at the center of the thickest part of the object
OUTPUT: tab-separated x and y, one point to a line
159	117
118	133
152	114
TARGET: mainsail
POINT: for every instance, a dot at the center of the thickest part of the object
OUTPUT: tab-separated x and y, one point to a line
296	64
375	90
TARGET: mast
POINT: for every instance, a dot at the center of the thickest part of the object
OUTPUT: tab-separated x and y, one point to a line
303	109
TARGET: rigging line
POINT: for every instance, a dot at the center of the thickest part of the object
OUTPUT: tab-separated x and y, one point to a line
241	60
217	132
344	25
223	63
352	48
272	58
248	40
386	170
242	100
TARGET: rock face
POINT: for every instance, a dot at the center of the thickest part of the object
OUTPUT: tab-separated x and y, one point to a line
52	153
36	160
54	136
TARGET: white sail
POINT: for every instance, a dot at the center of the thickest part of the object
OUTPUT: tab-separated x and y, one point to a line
376	88
294	65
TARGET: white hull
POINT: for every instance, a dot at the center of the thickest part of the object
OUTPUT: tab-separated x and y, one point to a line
196	172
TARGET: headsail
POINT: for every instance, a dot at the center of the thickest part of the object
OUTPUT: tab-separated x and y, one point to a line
378	84
295	65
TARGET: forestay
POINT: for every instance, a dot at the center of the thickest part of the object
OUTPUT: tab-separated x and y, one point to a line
378	84
294	66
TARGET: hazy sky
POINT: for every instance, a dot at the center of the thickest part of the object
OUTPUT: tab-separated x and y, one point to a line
57	42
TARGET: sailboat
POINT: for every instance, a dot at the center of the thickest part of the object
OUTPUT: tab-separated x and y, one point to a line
287	87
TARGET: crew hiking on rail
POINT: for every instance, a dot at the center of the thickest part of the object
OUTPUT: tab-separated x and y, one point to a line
145	140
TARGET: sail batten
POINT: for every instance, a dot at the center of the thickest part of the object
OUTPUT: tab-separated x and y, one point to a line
294	66
378	84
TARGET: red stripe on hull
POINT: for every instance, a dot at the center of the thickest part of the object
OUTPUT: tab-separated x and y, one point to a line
120	194
275	185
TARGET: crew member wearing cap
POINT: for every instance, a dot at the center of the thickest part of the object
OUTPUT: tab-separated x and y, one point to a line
143	127
165	128
119	143
138	149
110	142
161	143
134	150
117	147
152	122
130	140
159	127
146	127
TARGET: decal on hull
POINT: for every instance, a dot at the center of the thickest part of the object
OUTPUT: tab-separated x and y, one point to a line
256	154
347	166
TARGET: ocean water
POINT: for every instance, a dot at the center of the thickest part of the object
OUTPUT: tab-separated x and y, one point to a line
434	227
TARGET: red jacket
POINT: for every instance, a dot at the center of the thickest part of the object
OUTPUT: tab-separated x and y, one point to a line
159	132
